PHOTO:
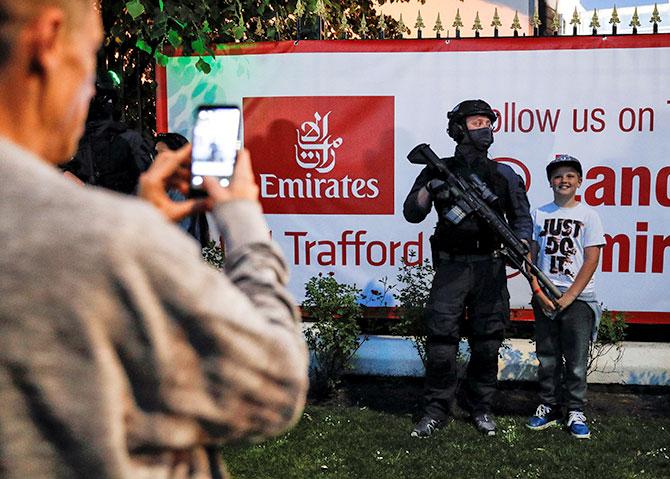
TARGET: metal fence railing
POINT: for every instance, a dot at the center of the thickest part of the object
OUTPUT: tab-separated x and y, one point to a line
554	24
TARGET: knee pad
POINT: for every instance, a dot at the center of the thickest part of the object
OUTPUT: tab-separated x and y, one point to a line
488	345
492	336
443	341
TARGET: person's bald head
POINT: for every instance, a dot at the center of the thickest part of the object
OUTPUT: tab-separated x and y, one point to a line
15	14
47	64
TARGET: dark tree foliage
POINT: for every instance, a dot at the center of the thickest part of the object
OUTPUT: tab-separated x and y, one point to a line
139	34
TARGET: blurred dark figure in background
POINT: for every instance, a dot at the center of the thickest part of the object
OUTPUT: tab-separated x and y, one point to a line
195	225
110	154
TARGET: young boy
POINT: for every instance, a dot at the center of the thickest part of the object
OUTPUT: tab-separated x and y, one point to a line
567	238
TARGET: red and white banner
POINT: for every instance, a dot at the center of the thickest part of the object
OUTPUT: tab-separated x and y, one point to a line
308	153
329	125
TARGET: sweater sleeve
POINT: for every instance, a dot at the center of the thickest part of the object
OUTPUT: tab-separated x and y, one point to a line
217	356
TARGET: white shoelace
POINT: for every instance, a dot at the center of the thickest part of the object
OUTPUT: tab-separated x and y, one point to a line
542	410
576	417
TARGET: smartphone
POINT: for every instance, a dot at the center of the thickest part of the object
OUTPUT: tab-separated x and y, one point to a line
216	141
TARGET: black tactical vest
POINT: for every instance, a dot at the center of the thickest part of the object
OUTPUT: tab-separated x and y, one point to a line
471	235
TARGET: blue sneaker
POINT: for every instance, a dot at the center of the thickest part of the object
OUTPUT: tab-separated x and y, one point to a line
545	416
577	425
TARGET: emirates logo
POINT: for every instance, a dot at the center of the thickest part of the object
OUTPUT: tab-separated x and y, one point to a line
314	149
296	142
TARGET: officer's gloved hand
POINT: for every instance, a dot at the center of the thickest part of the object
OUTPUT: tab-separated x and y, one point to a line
437	189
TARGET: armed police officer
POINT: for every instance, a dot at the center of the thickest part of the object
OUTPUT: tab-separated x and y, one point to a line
469	290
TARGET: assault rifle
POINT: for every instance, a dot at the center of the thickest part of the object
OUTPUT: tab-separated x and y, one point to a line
472	196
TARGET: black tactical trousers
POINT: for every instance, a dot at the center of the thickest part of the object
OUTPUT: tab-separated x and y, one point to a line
470	289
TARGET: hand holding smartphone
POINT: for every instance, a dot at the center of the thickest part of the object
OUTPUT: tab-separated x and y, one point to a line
215	145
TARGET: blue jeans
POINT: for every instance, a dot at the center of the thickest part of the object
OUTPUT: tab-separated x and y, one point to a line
562	346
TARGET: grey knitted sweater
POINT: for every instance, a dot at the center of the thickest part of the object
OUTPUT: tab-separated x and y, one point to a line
123	354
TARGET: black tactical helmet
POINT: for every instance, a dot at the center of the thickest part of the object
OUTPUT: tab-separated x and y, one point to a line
107	89
456	117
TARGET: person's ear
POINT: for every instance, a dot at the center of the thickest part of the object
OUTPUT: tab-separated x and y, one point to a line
46	39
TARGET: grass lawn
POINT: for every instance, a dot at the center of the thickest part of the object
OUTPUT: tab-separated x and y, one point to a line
359	441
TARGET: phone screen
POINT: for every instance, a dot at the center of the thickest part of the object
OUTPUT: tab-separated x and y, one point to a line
215	144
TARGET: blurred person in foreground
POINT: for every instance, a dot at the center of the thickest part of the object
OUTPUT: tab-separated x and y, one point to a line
123	354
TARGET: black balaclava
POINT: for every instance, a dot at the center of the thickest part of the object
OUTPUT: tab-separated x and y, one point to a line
481	138
472	153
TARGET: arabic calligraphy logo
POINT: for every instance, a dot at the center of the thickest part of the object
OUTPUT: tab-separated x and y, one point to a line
314	149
